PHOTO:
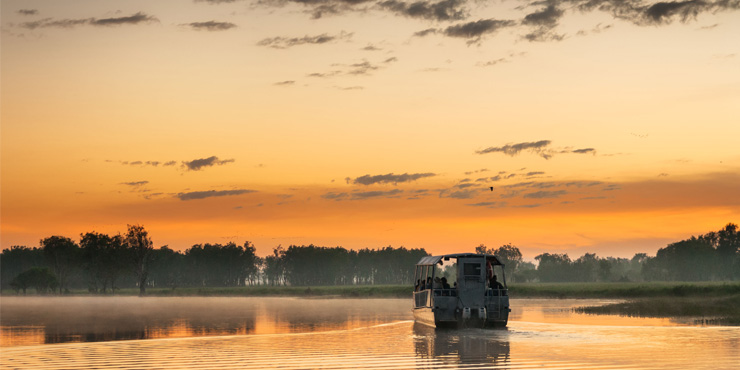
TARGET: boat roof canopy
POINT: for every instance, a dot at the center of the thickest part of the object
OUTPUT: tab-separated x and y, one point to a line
433	260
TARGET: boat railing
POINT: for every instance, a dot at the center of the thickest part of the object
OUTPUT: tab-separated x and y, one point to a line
490	292
421	298
445	292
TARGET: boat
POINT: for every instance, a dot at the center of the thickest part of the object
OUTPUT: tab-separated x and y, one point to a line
461	290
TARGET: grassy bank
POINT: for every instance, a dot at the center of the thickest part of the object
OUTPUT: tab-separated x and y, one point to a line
712	310
624	290
529	290
358	291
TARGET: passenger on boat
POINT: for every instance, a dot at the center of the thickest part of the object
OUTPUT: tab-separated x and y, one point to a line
417	286
495	285
429	283
444	283
437	283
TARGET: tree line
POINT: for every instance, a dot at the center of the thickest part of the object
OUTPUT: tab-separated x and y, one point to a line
714	256
102	263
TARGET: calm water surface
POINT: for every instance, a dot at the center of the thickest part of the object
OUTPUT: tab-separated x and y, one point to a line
295	333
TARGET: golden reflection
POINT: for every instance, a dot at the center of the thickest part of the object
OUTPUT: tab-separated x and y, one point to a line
468	346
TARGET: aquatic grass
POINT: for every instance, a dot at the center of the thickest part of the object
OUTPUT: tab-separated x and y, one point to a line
624	290
714	310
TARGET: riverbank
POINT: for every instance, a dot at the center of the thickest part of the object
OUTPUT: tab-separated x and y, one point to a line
709	302
706	310
527	290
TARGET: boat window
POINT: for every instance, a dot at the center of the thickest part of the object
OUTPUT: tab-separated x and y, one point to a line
446	270
471	269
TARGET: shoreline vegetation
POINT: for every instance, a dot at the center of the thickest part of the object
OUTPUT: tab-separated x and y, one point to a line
715	302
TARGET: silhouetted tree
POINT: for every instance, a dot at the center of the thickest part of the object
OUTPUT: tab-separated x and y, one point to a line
103	259
554	267
63	255
167	268
508	254
17	259
728	249
139	247
39	278
274	268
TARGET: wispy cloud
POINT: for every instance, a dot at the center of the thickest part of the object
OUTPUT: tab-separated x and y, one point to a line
545	194
288	42
541	148
377	194
488	204
198	164
211	26
137	18
27	12
445	10
391	178
212	193
537	147
135	183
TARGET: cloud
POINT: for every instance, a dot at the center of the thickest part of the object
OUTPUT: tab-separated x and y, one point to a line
211	26
658	13
493	62
391	178
543	34
212	193
476	29
284	83
661	11
287	42
457	192
541	148
534	173
27	12
216	1
361	68
545	194
170	163
137	18
445	10
584	151
132	19
537	147
135	183
376	194
335	196
426	32
197	164
488	204
476	171
546	17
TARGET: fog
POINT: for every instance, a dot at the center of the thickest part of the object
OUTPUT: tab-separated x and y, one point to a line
89	319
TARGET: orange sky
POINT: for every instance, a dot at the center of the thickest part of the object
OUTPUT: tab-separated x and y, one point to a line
368	124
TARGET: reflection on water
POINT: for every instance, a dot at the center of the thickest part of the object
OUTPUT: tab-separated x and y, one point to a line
289	333
465	346
49	320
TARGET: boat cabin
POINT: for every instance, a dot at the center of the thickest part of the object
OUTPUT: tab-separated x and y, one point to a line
464	289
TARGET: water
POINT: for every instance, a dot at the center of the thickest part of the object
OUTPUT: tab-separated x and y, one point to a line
293	333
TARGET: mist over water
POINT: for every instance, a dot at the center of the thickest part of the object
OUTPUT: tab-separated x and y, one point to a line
299	333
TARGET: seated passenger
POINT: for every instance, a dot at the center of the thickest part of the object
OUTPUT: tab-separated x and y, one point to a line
495	285
417	286
429	283
437	283
444	283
